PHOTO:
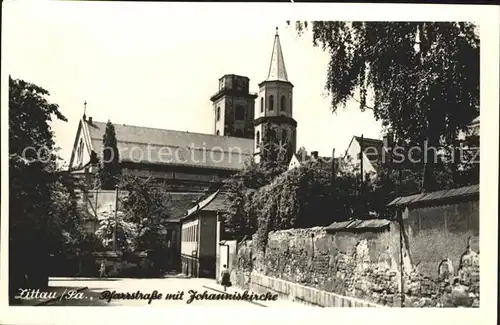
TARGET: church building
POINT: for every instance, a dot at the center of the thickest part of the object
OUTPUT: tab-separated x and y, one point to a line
190	161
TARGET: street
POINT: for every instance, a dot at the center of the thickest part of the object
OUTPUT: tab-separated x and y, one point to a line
175	292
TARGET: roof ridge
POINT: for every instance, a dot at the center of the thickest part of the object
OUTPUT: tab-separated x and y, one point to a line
170	130
173	146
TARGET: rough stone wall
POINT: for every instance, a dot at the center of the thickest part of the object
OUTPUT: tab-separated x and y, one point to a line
441	232
361	265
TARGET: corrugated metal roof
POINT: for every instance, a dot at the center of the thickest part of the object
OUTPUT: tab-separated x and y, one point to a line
158	146
435	196
358	224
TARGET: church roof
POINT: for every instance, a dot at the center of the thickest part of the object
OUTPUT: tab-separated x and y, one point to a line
168	147
277	70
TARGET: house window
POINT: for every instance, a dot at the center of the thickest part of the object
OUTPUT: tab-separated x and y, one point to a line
257	139
282	103
240	112
262	104
271	102
218	113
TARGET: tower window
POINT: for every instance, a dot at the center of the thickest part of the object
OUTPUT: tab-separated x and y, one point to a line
290	105
282	103
217	113
218	133
284	135
240	112
262	104
271	102
257	139
272	134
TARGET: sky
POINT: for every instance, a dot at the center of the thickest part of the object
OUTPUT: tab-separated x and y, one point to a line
157	65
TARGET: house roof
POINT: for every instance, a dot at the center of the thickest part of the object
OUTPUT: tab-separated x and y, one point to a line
431	197
168	147
180	203
352	225
373	148
215	202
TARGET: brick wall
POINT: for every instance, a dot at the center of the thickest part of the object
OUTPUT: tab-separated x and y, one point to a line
365	266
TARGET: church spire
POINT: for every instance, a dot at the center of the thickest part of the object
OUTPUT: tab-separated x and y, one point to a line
277	70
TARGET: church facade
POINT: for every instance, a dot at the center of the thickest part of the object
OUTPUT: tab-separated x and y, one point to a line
188	161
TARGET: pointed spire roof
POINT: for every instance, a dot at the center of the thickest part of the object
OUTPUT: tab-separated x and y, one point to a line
277	70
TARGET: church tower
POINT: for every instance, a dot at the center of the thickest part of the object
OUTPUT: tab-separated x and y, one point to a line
274	108
233	107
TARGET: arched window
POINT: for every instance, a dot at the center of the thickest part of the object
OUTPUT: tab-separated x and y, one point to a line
240	112
257	139
284	135
262	104
218	133
271	102
218	113
282	103
79	158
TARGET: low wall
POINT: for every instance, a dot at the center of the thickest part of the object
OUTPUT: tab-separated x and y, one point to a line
364	265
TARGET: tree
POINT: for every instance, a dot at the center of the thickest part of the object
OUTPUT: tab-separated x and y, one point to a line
424	77
147	206
126	231
34	229
110	165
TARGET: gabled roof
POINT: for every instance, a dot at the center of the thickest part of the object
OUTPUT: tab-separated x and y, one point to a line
168	147
372	148
277	70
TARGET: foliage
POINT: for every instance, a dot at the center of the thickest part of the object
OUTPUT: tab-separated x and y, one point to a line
34	228
424	76
68	217
109	169
147	206
299	198
126	231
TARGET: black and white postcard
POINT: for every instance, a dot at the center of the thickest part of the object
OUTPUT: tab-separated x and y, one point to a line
245	156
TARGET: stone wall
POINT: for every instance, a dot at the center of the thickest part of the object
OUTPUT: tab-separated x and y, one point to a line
363	265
